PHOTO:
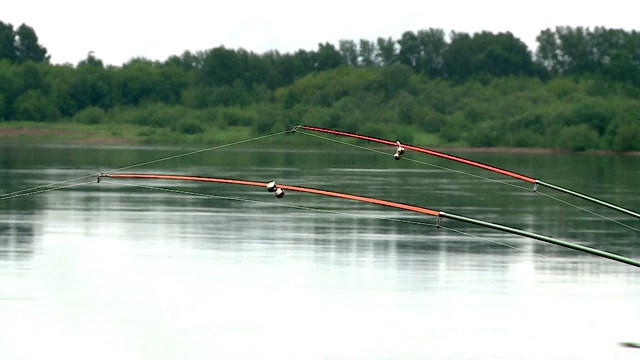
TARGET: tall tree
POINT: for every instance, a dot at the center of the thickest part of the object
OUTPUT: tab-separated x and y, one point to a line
8	49
327	57
220	67
423	51
387	52
612	53
28	47
548	53
349	52
576	45
410	51
433	45
92	85
499	54
457	64
366	52
625	60
187	60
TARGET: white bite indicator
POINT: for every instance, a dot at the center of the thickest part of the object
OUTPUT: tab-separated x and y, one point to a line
271	187
399	151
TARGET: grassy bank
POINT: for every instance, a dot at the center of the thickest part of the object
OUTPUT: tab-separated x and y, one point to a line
25	132
72	133
106	134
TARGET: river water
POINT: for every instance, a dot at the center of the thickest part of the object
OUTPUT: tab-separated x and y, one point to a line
157	269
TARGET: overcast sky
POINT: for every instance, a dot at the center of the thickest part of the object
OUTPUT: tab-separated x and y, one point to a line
118	30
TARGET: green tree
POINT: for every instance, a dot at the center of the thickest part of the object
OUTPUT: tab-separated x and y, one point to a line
423	51
138	82
394	79
577	47
256	70
387	51
579	52
28	47
577	138
433	45
221	66
188	60
548	53
32	76
622	62
286	68
457	58
627	138
486	53
366	53
8	49
410	52
349	52
327	57
92	84
33	105
62	78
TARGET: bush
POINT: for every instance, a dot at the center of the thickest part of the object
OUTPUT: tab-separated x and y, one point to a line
485	135
190	127
160	115
627	138
239	117
33	105
455	127
91	115
524	138
577	138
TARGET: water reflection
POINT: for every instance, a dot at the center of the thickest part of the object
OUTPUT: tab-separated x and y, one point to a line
118	271
16	239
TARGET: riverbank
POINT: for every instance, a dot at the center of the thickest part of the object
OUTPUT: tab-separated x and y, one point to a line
37	133
29	133
110	134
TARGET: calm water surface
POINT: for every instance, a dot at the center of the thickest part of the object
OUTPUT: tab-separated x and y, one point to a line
210	271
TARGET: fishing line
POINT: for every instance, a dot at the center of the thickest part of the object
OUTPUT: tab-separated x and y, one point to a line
200	151
35	190
502	182
588	211
342	213
415	160
401	149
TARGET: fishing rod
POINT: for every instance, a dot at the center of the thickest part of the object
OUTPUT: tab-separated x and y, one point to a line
279	192
401	148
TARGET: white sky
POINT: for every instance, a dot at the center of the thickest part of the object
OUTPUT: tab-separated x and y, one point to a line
118	30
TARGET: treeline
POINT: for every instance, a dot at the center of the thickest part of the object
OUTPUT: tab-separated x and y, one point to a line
579	90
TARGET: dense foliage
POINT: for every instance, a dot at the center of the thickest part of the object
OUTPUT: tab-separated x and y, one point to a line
580	90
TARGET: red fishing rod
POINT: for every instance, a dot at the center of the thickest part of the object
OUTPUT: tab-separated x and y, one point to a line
401	148
279	191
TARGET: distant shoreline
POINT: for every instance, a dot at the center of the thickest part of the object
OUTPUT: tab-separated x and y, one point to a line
20	135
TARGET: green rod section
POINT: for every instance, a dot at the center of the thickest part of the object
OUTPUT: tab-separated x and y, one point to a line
547	239
589	198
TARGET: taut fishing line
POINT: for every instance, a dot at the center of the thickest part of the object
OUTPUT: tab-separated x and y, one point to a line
48	187
45	188
588	211
414	160
200	151
475	176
